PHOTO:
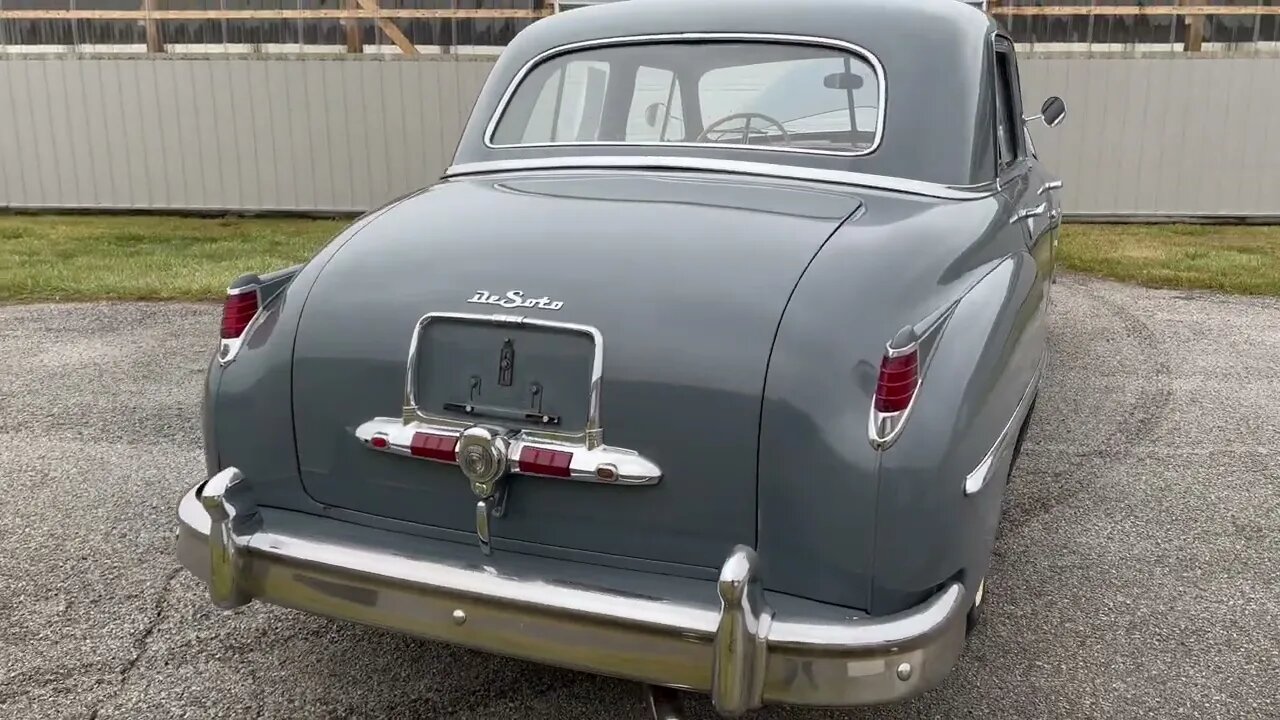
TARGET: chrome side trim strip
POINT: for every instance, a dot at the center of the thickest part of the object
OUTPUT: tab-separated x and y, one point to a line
694	37
741	167
978	477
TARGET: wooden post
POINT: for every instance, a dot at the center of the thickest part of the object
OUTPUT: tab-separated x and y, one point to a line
155	41
446	47
355	43
390	29
1195	28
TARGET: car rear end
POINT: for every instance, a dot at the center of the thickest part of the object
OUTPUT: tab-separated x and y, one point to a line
598	417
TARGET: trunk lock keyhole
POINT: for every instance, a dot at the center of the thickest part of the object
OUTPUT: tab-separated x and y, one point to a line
535	397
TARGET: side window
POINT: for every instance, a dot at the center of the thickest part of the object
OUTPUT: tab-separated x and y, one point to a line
1006	121
656	114
569	105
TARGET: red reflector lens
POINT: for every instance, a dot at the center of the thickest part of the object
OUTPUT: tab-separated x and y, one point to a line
237	311
537	461
379	441
897	384
434	447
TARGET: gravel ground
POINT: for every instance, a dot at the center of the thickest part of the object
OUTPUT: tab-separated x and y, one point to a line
1136	574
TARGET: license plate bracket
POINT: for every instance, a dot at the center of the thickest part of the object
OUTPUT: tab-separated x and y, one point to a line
527	416
528	376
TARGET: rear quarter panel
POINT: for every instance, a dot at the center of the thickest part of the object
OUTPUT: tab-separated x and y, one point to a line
987	352
903	261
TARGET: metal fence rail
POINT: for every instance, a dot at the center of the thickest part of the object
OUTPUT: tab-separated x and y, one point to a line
414	26
351	26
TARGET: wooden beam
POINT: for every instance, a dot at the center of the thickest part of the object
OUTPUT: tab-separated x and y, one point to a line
459	14
155	41
142	15
446	47
1195	29
390	28
1132	10
355	43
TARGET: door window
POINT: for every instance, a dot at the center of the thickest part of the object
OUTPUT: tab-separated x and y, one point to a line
569	104
1007	120
656	114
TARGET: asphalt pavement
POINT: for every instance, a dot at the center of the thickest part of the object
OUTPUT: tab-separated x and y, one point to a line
1137	574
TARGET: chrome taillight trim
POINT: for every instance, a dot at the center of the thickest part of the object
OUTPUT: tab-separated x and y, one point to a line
883	428
229	348
629	467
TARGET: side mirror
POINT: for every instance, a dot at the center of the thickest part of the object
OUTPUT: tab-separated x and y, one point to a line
652	113
1053	111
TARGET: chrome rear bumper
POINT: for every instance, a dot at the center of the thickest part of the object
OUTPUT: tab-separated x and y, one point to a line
722	639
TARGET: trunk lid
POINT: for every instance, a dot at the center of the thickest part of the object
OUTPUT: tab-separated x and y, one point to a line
684	277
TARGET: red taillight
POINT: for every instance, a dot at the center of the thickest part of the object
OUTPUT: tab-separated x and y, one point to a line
237	310
536	461
434	447
899	376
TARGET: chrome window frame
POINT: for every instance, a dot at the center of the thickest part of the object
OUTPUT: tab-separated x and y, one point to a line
840	45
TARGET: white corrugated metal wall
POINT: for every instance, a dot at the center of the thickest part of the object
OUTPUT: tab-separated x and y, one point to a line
1180	136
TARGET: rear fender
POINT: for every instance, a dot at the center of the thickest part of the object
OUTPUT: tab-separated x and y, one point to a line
248	409
984	355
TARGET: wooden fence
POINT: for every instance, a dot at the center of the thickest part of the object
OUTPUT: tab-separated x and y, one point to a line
154	16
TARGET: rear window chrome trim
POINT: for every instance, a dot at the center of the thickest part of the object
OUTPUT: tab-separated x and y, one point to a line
571	163
840	45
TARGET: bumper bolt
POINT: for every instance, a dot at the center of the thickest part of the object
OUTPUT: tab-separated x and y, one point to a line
459	617
904	671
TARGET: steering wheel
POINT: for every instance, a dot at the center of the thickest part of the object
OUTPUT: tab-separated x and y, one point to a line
746	128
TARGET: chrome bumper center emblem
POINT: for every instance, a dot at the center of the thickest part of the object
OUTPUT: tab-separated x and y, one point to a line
482	455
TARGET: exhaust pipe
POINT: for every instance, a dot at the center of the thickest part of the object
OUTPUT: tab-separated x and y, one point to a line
663	703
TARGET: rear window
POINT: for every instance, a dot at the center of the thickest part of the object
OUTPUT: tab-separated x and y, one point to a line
810	98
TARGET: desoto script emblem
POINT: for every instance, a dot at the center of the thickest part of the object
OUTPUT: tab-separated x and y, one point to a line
514	299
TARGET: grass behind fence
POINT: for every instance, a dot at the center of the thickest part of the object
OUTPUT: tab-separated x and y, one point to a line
56	258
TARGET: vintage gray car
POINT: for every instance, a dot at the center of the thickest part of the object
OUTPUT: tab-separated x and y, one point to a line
794	257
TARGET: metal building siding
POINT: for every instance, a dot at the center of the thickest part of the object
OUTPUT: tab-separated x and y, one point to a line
1189	136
